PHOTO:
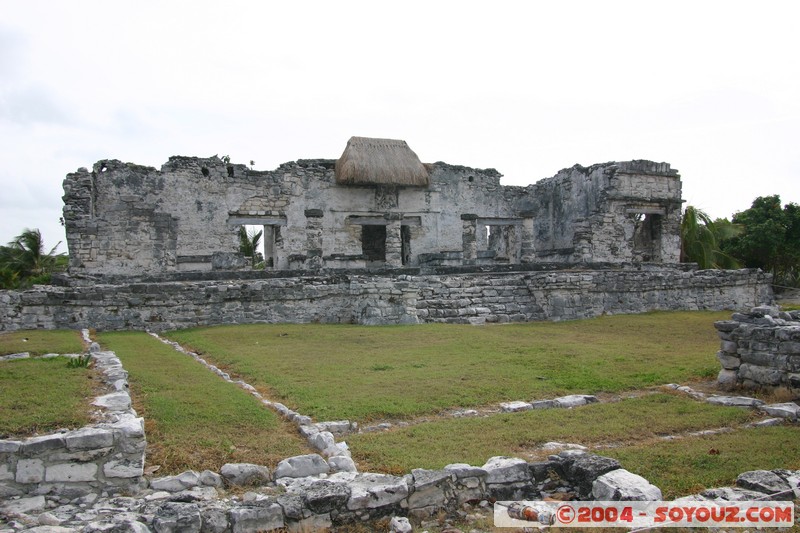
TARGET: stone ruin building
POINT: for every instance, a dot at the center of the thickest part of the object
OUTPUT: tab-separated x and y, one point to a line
377	206
375	237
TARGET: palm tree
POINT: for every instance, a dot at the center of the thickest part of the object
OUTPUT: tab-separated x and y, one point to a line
24	259
701	239
249	241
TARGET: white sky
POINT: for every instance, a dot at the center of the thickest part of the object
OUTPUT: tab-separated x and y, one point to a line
528	88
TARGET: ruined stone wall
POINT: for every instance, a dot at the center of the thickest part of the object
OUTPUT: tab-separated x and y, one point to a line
125	219
362	298
612	212
760	349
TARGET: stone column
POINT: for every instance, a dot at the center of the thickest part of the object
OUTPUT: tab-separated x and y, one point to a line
394	244
670	233
527	253
270	259
469	226
314	238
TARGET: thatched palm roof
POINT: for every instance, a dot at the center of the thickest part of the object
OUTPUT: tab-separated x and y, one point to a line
367	161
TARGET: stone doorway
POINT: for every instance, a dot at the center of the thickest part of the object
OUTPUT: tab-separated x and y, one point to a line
373	243
405	244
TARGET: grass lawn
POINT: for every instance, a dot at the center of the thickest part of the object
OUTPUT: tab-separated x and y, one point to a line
42	395
193	419
473	440
40	342
685	466
369	373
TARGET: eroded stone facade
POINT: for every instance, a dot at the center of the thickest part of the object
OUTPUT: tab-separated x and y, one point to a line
128	220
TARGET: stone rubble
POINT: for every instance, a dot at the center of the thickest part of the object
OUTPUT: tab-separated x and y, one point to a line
198	502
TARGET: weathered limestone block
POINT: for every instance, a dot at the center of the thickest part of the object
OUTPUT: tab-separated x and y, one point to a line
45	443
178	518
245	474
264	517
583	470
735	401
9	446
788	410
431	489
302	466
124	468
508	478
575	400
469	481
342	463
760	375
89	438
372	491
400	524
183	481
23	506
30	471
766	482
211	479
621	485
729	362
116	401
514	407
70	472
322	440
325	496
214	519
336	427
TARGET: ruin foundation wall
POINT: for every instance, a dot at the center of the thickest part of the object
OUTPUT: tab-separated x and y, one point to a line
372	299
760	349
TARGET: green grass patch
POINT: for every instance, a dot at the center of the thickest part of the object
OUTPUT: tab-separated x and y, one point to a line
43	395
40	342
474	440
193	419
689	465
368	373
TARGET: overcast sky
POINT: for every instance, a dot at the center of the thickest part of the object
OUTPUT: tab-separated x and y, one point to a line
528	88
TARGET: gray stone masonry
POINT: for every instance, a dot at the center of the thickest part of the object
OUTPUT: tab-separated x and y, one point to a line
191	502
760	349
127	219
460	297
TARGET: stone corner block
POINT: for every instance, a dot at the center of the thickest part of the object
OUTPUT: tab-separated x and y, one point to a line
502	470
302	466
245	474
621	485
89	439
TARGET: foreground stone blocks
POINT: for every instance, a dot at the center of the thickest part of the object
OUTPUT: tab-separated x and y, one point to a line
107	456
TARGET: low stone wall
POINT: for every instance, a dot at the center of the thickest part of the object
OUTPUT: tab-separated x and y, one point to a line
474	297
760	349
107	457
